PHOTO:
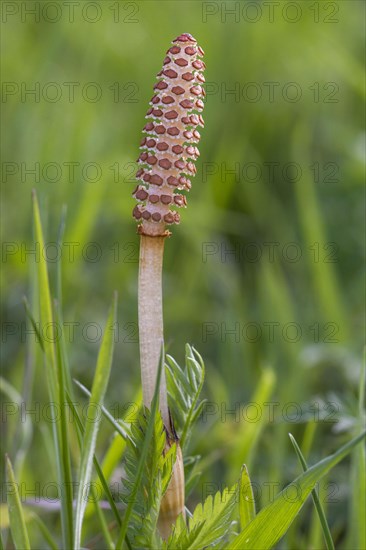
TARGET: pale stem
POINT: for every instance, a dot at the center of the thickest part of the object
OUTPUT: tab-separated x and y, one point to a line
150	311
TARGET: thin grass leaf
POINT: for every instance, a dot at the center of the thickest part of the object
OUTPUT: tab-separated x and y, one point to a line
18	527
47	320
102	520
323	520
248	433
33	322
66	459
360	465
45	531
60	236
103	483
100	515
107	491
80	433
65	362
45	295
112	457
313	537
144	451
326	286
100	382
246	499
123	431
357	536
24	429
272	522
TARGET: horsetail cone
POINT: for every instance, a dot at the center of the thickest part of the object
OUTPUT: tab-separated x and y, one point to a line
169	147
168	152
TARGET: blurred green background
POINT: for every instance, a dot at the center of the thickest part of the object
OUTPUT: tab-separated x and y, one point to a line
279	184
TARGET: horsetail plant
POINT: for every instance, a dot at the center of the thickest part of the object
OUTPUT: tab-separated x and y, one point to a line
166	163
152	498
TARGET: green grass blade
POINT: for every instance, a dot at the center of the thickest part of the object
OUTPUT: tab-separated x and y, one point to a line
103	481
100	382
45	298
25	427
144	451
16	517
45	531
357	534
246	499
326	286
102	520
107	492
61	231
111	459
80	432
272	522
360	468
66	460
47	320
123	433
33	322
60	236
248	433
323	520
